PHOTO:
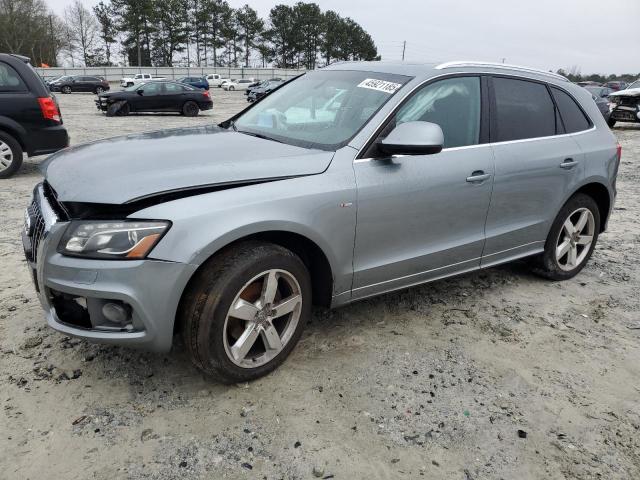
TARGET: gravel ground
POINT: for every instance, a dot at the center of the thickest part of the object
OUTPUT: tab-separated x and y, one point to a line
495	374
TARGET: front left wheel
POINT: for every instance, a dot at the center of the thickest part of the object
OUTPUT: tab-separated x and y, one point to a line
244	311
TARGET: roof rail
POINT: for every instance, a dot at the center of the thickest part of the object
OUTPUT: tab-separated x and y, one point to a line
500	65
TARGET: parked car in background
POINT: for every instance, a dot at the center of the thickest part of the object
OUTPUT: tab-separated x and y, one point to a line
30	120
260	83
156	96
138	78
625	105
224	81
241	84
198	82
79	83
616	85
215	80
589	83
601	97
230	233
265	88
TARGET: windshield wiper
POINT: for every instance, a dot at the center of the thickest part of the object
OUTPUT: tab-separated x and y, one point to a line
258	135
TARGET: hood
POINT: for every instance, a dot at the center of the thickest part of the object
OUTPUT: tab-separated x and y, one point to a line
629	92
134	167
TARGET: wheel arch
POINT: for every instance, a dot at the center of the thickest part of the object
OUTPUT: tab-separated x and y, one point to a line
308	250
16	131
602	196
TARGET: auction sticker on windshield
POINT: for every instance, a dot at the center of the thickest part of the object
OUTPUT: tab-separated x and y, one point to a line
380	85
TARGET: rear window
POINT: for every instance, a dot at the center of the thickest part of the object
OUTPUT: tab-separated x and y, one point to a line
572	115
523	109
10	80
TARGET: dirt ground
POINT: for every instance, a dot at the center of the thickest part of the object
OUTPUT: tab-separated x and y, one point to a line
492	375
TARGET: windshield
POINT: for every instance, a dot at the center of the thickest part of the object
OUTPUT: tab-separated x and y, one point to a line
635	84
321	109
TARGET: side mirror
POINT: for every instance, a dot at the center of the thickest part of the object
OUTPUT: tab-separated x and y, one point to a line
413	138
140	91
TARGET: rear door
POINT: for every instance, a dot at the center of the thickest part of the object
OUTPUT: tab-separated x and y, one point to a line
173	97
536	164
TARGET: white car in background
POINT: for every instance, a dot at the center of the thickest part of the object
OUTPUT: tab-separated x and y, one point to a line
241	84
138	78
216	80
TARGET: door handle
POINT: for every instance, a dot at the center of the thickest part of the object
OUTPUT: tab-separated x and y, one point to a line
568	163
478	177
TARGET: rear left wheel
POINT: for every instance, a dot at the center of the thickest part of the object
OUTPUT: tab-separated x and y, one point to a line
10	155
571	240
190	109
244	312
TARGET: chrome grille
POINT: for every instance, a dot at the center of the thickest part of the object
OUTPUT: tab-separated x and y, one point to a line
38	229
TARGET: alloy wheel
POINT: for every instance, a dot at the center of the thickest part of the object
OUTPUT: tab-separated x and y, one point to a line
6	156
575	239
262	318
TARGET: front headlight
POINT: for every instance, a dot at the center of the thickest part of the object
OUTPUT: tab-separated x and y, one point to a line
122	240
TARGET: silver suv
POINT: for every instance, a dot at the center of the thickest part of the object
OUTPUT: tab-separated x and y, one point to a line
348	182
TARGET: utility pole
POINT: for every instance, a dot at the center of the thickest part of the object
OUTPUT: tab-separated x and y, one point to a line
404	47
139	53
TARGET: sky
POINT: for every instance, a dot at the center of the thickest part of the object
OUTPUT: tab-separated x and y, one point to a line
594	36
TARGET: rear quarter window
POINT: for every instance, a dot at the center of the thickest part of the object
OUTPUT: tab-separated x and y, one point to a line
572	115
10	80
524	109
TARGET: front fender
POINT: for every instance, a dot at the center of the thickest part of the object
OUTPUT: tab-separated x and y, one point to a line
320	208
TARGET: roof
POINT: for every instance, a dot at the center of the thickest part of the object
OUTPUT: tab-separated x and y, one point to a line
428	70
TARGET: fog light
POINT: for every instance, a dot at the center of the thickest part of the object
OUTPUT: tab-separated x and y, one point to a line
115	312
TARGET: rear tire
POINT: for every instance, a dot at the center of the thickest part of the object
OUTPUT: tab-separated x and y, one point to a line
10	155
66	89
566	251
190	109
234	299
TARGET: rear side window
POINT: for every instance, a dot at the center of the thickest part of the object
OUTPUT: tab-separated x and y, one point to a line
572	115
10	81
523	110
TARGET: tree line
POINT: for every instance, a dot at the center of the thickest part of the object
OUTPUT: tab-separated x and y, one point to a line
574	75
181	32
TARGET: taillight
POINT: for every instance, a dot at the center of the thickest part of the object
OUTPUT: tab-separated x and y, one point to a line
206	93
49	109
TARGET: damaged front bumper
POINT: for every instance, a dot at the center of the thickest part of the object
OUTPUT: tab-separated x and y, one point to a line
625	109
129	303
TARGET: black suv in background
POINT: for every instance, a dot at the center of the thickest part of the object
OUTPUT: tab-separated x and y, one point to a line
79	83
30	120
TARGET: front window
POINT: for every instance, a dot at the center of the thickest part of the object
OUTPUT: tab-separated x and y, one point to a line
322	109
635	84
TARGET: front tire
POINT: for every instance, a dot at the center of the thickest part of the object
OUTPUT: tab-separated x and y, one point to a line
245	310
66	89
571	240
99	90
10	155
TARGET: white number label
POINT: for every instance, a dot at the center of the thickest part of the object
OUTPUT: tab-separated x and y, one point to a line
380	85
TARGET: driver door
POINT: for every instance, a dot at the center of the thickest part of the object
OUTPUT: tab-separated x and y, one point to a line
421	217
150	100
